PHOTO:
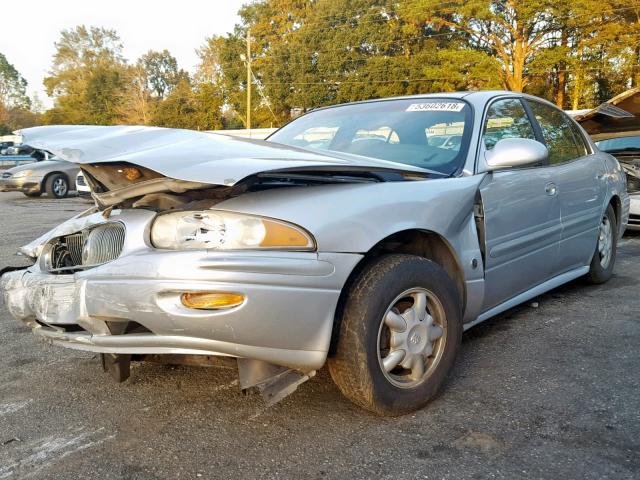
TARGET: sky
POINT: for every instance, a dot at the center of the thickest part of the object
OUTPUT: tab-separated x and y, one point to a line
29	29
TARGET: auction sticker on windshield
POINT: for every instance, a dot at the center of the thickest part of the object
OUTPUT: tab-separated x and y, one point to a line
435	107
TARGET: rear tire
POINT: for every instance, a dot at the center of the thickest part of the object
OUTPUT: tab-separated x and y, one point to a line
57	186
389	358
604	258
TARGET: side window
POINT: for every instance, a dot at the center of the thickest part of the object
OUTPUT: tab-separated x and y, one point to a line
583	148
557	133
506	119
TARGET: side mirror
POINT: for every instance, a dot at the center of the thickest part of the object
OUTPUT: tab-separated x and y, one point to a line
515	152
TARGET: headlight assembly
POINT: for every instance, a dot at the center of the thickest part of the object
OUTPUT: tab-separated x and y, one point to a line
220	230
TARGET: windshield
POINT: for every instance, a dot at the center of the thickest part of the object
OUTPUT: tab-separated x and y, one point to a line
423	132
619	144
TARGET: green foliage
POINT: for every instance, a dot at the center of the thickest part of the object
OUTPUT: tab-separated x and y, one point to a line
12	86
162	72
87	77
15	105
307	54
193	108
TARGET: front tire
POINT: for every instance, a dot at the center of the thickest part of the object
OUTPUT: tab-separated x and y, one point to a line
604	258
399	336
57	186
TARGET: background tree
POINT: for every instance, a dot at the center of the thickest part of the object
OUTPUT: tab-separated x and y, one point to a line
87	77
307	54
13	87
15	106
161	71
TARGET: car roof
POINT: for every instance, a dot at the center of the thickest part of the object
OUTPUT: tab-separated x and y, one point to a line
473	96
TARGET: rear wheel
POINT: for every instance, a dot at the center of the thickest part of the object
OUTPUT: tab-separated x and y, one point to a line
400	333
604	258
57	186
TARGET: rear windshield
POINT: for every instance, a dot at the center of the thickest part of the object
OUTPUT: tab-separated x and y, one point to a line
428	133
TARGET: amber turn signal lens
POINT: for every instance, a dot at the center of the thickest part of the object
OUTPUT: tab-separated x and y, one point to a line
279	235
211	300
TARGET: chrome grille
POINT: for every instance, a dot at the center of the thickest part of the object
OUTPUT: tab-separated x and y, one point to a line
74	246
103	244
95	246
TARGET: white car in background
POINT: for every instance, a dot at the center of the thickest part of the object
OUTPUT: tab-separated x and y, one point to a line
82	186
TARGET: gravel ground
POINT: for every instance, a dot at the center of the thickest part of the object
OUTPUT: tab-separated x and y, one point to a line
547	390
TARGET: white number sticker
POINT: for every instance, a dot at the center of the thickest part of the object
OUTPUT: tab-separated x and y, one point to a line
436	107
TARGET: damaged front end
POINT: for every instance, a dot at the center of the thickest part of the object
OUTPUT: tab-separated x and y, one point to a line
158	269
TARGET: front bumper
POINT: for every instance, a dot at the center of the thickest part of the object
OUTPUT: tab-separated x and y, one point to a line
286	319
20	184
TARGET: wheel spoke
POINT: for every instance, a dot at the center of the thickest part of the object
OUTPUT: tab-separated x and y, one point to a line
395	321
392	360
417	368
420	305
435	332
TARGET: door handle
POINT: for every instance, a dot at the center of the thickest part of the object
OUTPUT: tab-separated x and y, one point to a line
551	189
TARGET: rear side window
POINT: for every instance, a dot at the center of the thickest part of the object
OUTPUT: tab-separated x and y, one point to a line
557	132
506	119
583	148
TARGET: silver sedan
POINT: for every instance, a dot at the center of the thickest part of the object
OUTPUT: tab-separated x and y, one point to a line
351	237
54	177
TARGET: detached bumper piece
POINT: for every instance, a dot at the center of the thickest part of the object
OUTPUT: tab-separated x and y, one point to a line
273	382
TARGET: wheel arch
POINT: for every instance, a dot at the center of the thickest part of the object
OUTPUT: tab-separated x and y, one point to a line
43	184
616	203
423	243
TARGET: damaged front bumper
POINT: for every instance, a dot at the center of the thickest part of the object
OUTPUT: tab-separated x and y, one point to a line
132	305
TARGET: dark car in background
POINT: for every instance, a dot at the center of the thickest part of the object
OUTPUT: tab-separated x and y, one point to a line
19	150
4	146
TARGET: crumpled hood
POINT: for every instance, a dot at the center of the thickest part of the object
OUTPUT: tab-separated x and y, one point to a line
189	155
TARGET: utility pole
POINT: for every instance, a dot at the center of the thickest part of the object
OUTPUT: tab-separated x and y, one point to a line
248	61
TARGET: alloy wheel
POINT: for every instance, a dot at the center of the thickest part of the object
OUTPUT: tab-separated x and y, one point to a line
59	187
411	338
605	242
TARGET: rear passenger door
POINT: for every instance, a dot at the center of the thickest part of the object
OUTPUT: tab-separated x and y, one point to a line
577	174
521	212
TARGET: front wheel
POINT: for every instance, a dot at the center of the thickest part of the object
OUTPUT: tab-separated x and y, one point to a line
604	258
57	186
400	333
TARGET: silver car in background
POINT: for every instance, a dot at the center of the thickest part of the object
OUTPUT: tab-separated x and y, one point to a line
52	176
347	238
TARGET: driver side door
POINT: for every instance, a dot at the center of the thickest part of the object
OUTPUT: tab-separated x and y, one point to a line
520	210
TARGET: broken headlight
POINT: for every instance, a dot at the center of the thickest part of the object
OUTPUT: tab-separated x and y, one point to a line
219	230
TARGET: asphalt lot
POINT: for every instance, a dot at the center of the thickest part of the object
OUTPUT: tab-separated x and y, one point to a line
547	391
